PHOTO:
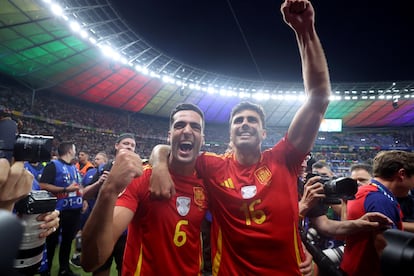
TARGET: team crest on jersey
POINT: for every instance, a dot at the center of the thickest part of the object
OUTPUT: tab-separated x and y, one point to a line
263	175
183	205
199	197
248	191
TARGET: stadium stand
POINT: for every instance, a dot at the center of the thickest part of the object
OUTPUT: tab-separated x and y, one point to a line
94	127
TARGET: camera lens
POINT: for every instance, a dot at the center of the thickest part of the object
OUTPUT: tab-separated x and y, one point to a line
32	148
31	249
335	254
344	187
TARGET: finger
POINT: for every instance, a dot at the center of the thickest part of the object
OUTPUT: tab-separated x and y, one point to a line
297	7
48	232
4	170
173	190
16	172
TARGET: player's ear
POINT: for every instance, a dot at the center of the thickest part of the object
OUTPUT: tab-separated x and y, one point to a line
169	137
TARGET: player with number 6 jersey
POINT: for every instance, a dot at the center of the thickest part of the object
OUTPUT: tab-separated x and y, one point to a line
163	235
167	238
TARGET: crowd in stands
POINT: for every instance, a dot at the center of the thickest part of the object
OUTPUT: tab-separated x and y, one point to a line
93	128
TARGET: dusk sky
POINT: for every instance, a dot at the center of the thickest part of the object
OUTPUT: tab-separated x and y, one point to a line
365	41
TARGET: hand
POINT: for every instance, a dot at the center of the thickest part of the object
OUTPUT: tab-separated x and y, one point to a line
103	177
15	183
161	184
127	166
74	187
313	191
298	14
50	223
85	206
306	267
374	221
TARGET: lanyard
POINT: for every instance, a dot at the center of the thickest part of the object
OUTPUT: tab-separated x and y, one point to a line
381	187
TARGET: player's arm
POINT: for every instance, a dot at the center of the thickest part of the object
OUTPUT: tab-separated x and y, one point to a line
107	222
368	222
161	183
408	226
300	16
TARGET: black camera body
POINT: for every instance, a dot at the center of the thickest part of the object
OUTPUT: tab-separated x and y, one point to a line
31	249
397	258
37	202
328	260
23	147
337	188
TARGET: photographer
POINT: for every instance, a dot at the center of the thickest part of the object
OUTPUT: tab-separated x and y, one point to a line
15	184
393	172
16	190
310	206
313	214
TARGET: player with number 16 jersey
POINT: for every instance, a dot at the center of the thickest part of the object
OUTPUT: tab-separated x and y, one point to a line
255	211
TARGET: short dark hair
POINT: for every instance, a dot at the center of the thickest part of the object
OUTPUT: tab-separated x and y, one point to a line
186	106
361	166
248	106
320	164
65	147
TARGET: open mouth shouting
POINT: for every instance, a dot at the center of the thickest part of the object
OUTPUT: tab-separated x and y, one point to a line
186	146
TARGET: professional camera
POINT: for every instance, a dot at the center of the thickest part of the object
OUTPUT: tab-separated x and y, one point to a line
23	147
328	260
398	255
31	148
336	189
31	248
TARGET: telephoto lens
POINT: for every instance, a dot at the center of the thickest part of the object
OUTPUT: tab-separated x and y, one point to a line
31	249
32	148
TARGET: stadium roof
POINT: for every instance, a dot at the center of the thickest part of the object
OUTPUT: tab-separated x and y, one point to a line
87	51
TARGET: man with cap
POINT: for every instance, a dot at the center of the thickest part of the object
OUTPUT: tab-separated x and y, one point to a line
124	141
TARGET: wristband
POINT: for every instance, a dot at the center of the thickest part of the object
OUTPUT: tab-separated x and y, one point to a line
64	189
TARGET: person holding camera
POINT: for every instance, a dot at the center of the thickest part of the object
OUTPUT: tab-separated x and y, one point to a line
61	178
317	226
16	184
321	168
393	173
314	221
361	172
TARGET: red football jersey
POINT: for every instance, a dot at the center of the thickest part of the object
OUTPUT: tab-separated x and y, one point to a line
255	212
164	235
